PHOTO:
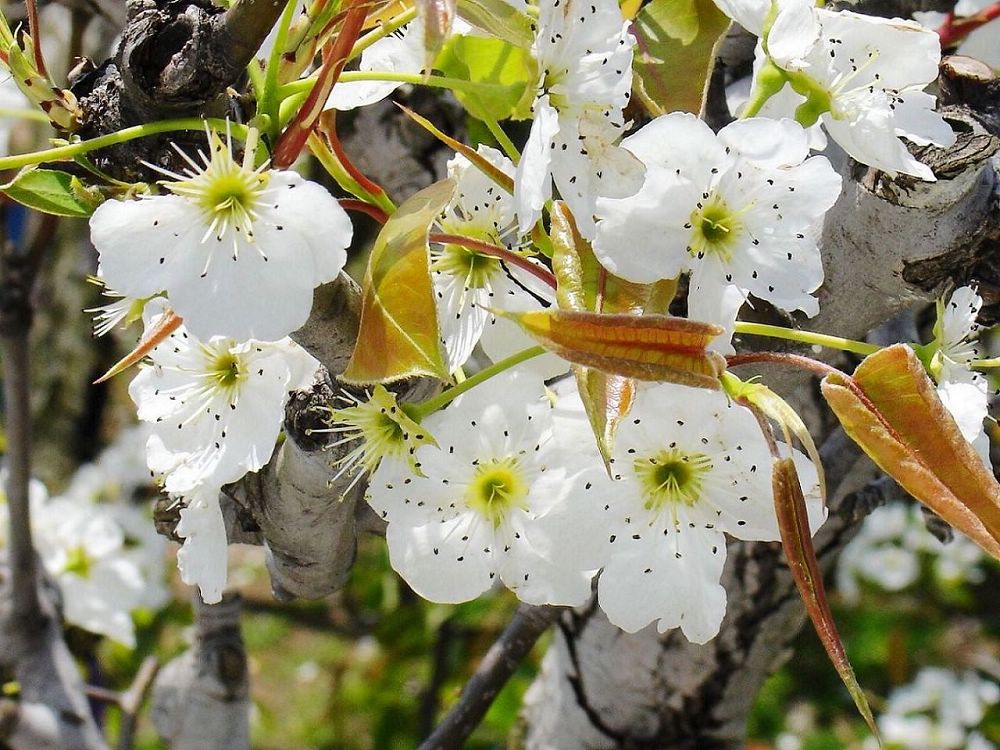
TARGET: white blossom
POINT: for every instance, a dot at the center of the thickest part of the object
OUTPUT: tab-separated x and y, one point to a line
688	467
584	51
237	250
401	51
473	515
962	390
862	76
215	406
740	211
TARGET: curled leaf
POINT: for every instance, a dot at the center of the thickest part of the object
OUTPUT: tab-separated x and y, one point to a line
793	522
646	347
891	409
398	335
167	324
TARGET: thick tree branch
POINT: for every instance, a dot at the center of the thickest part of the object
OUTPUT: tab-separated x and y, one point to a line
201	699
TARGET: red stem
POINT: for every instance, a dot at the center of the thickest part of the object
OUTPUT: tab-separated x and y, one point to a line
327	127
496	251
350	204
783	358
953	31
36	40
293	140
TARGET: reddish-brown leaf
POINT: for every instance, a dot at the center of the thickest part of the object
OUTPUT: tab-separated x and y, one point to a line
646	347
793	522
891	409
398	337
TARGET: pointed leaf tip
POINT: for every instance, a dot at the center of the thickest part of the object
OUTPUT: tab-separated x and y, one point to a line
793	522
167	324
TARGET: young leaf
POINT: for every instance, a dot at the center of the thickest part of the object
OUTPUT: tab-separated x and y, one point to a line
645	347
398	336
891	409
500	19
167	324
583	284
675	52
51	192
776	408
504	75
482	163
796	541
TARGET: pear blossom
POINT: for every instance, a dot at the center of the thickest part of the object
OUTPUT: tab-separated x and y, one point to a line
962	390
468	285
237	250
472	515
861	76
740	211
584	51
216	406
689	467
401	51
104	558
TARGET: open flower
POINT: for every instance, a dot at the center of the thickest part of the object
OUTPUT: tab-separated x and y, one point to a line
472	516
237	250
215	406
689	467
584	51
962	390
861	76
740	211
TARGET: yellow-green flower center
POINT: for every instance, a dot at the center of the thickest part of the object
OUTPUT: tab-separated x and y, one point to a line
497	488
475	268
715	228
78	562
226	371
227	192
671	477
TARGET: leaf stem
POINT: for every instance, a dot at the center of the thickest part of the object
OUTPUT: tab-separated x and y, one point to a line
806	337
70	150
417	79
431	405
501	137
783	358
496	251
985	364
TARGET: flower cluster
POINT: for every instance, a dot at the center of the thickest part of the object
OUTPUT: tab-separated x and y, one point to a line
861	76
99	548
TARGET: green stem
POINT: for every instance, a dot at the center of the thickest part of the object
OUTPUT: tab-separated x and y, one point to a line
501	137
62	153
985	364
417	79
268	102
806	337
36	115
382	31
431	405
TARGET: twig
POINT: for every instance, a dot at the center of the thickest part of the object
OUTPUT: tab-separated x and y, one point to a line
132	700
15	321
500	662
430	698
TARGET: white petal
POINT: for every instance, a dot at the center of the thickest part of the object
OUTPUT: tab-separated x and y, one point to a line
203	558
769	144
396	53
532	186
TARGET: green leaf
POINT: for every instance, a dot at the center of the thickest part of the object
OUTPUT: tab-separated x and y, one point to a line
645	347
499	19
52	192
398	336
675	53
793	523
505	74
891	409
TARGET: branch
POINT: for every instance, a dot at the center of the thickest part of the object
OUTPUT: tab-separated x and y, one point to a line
201	699
500	662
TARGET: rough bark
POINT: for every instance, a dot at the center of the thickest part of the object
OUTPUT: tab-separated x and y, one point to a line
201	700
887	245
